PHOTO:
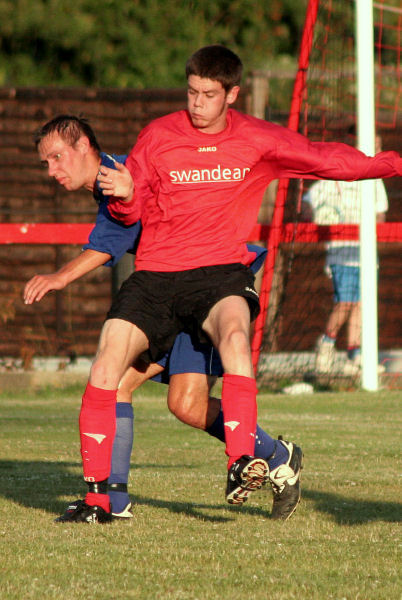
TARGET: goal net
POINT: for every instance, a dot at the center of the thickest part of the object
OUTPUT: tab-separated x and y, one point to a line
314	228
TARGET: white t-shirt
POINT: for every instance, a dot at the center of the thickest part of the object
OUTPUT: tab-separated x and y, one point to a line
336	202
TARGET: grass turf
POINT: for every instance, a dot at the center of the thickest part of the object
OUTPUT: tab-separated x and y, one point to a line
184	541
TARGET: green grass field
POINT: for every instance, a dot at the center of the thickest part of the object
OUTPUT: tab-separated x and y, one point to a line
185	542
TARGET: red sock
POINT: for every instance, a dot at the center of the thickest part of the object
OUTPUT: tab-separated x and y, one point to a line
97	429
98	500
239	406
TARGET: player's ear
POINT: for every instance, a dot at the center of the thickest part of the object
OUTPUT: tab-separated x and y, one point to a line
83	144
232	94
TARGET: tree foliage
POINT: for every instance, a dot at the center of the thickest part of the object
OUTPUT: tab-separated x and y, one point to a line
137	43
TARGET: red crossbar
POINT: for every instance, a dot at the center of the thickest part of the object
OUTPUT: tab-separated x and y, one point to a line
77	233
45	233
310	233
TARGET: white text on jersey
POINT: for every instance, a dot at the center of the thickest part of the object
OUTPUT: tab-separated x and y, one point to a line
216	175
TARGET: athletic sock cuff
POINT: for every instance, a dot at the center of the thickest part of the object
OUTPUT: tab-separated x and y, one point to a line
99	397
240	381
124	410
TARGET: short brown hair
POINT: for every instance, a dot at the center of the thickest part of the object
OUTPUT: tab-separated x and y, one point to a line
70	128
217	63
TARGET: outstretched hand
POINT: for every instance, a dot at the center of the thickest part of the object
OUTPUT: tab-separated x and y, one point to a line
84	263
116	182
39	285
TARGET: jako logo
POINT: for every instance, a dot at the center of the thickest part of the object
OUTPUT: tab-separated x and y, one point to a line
207	149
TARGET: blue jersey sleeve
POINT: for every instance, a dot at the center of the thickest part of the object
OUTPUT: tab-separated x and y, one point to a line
112	237
109	235
260	256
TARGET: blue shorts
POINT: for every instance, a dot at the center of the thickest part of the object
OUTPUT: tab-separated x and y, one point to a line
346	282
189	355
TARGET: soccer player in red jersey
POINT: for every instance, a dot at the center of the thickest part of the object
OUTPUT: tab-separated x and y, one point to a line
199	176
69	150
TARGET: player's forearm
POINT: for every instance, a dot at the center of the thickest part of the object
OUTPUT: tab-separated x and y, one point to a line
86	262
40	285
297	157
351	164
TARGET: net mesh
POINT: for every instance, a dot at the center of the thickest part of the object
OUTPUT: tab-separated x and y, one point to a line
301	298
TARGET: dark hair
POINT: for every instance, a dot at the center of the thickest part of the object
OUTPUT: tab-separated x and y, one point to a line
70	129
217	63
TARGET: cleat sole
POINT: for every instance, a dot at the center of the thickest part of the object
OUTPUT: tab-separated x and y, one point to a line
254	475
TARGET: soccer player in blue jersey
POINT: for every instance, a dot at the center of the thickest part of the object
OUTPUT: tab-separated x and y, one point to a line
74	159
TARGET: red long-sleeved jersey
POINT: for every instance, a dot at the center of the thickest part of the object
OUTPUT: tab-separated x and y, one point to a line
198	194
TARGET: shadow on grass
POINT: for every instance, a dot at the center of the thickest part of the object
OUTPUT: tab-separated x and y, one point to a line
39	485
192	509
350	511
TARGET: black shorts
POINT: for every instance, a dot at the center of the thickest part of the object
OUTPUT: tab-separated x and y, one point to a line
162	304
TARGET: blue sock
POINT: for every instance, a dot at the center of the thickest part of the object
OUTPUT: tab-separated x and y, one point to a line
121	455
264	444
281	456
216	429
326	338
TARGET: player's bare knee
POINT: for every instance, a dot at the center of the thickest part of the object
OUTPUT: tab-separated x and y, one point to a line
178	405
104	375
131	381
124	395
187	408
235	341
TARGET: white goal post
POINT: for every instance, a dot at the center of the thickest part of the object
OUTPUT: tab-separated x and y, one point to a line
368	235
